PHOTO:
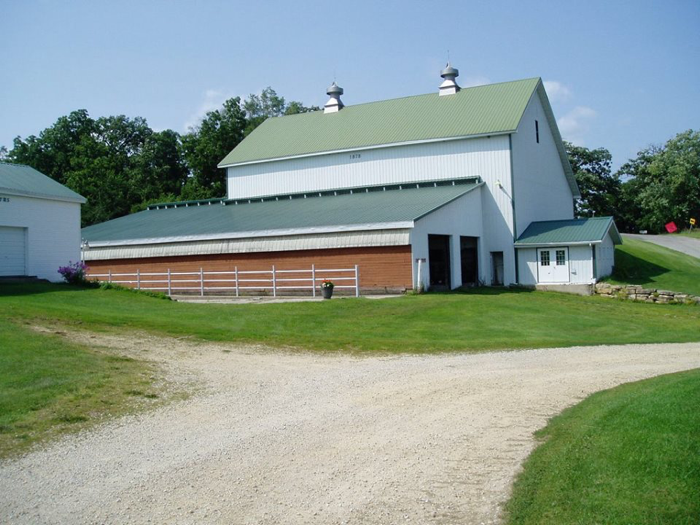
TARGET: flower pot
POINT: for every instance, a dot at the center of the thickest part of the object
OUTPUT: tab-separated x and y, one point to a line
327	292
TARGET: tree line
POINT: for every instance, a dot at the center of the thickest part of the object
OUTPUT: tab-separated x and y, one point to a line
661	184
121	165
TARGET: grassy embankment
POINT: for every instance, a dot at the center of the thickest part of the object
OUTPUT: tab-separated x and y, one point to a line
653	266
49	386
695	233
626	455
486	319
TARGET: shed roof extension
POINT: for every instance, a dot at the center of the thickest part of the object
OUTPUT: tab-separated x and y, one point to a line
567	232
383	207
481	110
18	179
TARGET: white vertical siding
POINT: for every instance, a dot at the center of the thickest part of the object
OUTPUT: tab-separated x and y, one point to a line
527	266
542	192
581	264
53	232
605	257
486	157
462	217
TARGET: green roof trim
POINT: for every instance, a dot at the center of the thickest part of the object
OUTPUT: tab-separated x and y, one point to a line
481	110
293	214
18	179
572	231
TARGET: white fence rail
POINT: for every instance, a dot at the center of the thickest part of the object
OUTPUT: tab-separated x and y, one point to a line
237	281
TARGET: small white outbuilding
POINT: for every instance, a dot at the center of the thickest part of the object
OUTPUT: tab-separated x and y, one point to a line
39	223
573	251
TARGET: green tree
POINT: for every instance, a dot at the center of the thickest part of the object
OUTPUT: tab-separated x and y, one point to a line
53	150
3	153
259	108
159	170
294	108
115	162
664	183
600	189
208	143
268	104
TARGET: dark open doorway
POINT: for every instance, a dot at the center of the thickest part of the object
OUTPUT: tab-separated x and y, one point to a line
470	261
439	261
497	268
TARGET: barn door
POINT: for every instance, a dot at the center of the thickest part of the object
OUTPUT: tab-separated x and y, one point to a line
553	265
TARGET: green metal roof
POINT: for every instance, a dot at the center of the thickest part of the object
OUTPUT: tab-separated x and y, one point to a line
19	179
481	110
573	231
292	212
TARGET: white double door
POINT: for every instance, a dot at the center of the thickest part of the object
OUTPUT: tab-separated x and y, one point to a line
553	265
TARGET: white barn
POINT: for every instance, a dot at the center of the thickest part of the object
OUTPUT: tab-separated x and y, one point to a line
432	191
39	223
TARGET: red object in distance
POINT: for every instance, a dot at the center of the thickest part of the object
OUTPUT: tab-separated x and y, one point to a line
671	227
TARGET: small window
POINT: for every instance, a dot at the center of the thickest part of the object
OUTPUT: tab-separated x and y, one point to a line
544	258
561	257
537	131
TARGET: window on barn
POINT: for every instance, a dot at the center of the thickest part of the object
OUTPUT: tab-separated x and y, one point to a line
561	257
537	131
544	257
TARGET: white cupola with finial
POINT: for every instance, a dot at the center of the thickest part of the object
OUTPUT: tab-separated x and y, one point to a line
449	86
334	103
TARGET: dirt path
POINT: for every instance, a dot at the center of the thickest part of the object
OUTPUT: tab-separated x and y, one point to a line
299	438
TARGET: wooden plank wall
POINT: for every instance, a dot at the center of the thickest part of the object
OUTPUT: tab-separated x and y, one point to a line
386	268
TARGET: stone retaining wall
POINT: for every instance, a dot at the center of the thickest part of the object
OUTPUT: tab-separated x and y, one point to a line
648	295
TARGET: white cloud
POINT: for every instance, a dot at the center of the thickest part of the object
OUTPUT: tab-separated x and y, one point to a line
556	91
576	124
212	99
473	80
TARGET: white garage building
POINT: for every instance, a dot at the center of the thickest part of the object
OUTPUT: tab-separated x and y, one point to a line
39	223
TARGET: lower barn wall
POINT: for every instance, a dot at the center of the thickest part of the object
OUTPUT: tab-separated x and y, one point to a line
386	268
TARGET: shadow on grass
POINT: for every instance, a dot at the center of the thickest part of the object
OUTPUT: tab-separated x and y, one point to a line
18	289
635	270
486	290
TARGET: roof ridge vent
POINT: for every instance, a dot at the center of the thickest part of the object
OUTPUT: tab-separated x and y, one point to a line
334	103
449	86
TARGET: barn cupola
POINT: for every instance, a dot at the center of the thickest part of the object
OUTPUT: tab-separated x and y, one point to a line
449	86
334	103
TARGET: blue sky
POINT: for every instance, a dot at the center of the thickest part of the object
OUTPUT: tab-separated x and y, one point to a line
621	75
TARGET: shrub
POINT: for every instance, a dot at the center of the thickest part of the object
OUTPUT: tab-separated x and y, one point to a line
74	273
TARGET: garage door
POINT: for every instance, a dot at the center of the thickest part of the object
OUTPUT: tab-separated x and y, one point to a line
12	251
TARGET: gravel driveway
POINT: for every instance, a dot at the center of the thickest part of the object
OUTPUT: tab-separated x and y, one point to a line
687	245
277	437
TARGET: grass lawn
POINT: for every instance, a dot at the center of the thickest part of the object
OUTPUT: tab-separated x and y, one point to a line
695	233
485	319
647	264
626	455
49	386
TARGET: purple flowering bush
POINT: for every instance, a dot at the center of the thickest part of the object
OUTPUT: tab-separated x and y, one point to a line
74	273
